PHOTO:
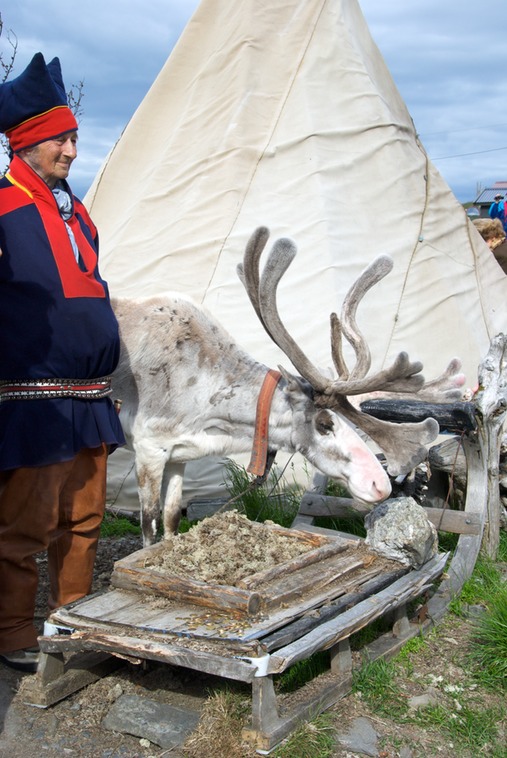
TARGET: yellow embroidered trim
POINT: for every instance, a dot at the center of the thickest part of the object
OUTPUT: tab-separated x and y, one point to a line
17	184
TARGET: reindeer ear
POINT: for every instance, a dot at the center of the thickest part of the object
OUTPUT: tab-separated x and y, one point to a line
296	383
293	382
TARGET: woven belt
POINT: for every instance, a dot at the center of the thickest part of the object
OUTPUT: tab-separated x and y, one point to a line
43	389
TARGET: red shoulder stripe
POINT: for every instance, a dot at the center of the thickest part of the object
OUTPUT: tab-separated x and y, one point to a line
12	198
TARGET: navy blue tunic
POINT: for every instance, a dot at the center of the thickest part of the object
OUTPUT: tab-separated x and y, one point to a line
56	322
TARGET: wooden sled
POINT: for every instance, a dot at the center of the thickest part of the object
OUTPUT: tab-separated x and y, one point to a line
231	643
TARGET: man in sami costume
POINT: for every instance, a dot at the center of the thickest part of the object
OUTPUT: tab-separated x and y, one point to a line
59	344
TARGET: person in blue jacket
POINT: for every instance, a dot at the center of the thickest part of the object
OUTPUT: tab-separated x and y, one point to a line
497	210
59	344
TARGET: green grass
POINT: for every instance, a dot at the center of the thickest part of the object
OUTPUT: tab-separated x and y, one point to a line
462	715
489	650
275	500
314	739
471	728
302	672
457	717
118	526
376	683
485	581
502	548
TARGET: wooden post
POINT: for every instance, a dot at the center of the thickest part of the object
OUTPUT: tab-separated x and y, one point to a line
264	705
491	407
51	667
341	657
401	624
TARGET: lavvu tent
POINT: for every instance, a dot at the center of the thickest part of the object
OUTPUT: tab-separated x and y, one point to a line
284	114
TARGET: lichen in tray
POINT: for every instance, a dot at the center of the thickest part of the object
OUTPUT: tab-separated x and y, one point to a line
225	548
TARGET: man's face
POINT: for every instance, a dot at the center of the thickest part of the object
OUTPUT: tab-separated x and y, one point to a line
52	159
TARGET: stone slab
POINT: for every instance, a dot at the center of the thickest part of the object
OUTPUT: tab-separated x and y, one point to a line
160	723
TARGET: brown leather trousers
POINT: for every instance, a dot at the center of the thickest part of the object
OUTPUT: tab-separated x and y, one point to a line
58	508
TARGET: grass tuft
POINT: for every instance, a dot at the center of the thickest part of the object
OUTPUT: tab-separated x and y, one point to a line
114	525
376	683
275	500
219	729
472	729
489	647
314	739
303	671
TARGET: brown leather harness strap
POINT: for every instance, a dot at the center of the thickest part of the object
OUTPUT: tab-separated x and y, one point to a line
257	465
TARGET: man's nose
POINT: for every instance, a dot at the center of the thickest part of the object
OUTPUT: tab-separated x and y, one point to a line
70	149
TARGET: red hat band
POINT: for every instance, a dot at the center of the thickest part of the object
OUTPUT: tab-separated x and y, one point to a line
37	129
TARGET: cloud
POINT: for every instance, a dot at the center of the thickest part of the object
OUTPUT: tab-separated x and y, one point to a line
442	57
446	58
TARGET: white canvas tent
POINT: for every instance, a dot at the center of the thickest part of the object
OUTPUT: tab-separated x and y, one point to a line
284	114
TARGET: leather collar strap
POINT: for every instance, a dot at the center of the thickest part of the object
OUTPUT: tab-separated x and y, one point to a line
44	389
257	465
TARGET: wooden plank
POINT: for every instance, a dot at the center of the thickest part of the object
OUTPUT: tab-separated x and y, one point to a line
326	577
175	627
449	456
313	538
182	621
156	650
299	562
457	522
371	584
80	671
468	547
331	632
444	519
345	536
104	604
187	590
314	505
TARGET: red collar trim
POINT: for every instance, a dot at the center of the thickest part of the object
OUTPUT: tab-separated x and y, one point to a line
75	283
257	465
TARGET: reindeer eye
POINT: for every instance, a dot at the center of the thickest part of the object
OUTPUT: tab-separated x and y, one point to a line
323	422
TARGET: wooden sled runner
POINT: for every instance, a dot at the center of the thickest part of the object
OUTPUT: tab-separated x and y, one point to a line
220	637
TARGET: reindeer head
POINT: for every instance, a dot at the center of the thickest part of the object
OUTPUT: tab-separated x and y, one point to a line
404	445
328	441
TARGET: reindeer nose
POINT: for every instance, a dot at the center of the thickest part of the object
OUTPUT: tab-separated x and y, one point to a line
382	489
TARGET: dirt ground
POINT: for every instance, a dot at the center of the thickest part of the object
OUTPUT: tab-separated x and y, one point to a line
73	727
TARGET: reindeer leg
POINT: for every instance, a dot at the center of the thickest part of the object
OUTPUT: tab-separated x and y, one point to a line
150	471
172	489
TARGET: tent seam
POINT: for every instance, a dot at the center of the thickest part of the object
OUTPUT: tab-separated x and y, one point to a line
263	151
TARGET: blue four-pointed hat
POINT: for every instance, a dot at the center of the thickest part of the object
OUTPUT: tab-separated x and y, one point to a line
33	106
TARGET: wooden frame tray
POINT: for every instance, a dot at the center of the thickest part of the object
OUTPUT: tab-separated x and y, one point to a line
328	559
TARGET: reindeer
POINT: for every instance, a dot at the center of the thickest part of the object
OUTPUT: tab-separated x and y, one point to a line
187	390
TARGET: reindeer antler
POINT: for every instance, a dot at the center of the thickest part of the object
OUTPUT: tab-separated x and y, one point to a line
403	444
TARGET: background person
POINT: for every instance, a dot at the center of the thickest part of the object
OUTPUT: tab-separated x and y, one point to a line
492	232
59	343
497	210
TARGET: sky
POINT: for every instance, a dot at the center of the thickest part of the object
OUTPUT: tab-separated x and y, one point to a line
447	58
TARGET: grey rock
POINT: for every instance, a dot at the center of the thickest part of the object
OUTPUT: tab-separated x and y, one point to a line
399	530
160	723
474	611
361	738
430	697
